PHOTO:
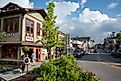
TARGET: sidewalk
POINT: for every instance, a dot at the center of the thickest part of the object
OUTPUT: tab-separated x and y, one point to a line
10	75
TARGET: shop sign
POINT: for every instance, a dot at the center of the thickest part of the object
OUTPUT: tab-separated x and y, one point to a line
29	37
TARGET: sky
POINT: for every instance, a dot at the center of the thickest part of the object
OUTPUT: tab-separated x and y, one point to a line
93	18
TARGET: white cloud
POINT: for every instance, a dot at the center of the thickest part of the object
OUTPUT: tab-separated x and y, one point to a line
23	3
118	15
112	5
63	9
89	23
88	16
82	3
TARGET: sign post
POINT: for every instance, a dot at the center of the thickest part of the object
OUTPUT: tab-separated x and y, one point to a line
26	61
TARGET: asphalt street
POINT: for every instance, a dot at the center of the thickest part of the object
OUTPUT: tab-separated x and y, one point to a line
102	64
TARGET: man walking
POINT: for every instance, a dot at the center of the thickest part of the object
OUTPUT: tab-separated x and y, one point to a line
33	58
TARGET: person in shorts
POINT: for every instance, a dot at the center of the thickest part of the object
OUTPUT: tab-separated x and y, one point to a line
33	56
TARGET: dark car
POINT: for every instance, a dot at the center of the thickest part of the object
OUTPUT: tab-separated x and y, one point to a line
78	53
95	51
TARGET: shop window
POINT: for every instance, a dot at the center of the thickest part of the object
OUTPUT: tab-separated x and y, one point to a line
9	51
29	26
11	25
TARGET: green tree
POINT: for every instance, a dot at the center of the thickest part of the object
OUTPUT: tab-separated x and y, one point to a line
50	31
2	35
25	49
62	44
118	36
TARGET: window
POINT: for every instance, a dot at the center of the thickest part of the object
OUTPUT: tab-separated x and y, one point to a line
9	51
11	25
38	29
29	26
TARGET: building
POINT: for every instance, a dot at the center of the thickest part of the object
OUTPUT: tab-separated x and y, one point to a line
22	27
60	48
81	42
110	42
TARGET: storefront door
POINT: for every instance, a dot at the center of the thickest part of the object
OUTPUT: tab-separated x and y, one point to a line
38	54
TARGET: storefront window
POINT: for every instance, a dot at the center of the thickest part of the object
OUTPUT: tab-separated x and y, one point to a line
9	51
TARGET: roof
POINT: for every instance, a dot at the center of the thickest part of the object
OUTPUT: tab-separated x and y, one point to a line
81	38
10	3
18	9
41	11
62	33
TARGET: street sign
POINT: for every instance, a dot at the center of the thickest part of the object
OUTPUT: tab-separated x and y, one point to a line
26	60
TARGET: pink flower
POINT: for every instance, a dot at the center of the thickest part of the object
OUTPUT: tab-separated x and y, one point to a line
109	80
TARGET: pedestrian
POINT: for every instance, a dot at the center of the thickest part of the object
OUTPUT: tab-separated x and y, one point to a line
33	56
22	67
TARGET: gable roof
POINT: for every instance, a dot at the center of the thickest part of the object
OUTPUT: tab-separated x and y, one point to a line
4	11
13	4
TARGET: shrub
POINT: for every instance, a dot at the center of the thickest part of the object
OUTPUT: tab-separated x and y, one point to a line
62	69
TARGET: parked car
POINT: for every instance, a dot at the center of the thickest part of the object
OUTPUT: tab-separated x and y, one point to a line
116	53
95	51
78	53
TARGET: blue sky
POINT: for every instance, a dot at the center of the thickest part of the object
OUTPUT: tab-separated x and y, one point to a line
94	18
92	4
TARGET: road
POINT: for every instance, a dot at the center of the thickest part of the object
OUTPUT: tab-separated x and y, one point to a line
103	64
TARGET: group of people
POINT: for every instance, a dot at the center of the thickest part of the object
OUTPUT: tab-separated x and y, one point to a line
26	60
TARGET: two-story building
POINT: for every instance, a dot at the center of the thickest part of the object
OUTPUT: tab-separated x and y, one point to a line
82	43
22	27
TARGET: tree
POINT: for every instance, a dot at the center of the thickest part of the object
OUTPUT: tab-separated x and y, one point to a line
61	45
25	49
61	42
118	36
2	35
50	31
